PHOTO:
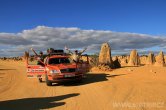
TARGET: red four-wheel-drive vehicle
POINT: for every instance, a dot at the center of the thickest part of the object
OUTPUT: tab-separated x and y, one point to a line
58	68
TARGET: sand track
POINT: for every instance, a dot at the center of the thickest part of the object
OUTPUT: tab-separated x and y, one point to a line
99	91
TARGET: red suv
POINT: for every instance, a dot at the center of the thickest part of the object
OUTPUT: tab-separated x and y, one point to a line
59	68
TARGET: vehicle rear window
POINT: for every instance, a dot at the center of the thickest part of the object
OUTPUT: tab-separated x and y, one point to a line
58	60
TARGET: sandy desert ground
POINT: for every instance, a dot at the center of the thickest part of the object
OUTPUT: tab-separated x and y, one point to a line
127	88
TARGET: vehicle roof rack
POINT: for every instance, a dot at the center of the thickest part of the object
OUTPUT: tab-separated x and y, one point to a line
57	52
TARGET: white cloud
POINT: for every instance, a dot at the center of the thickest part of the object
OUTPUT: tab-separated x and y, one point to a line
43	37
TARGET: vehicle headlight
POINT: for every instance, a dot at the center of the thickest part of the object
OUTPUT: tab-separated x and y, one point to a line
54	71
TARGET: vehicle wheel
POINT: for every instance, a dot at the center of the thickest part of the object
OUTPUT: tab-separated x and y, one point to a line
48	83
40	79
80	80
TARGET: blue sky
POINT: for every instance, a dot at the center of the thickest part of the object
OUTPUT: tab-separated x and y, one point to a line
138	16
126	16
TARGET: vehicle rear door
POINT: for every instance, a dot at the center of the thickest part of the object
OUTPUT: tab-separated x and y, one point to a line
33	69
83	65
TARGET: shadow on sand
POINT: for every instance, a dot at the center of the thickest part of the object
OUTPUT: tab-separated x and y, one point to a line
90	78
6	69
35	103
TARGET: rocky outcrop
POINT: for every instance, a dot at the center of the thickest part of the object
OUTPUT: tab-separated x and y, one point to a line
105	55
143	59
105	59
150	59
134	59
160	61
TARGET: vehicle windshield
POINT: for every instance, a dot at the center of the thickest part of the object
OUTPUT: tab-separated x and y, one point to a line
53	61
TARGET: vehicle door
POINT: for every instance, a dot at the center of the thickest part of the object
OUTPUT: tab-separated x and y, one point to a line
34	68
83	64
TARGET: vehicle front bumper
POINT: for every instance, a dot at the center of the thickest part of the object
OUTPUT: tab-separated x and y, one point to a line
65	77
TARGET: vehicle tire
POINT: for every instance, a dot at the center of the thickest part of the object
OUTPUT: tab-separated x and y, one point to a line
80	80
48	83
40	79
